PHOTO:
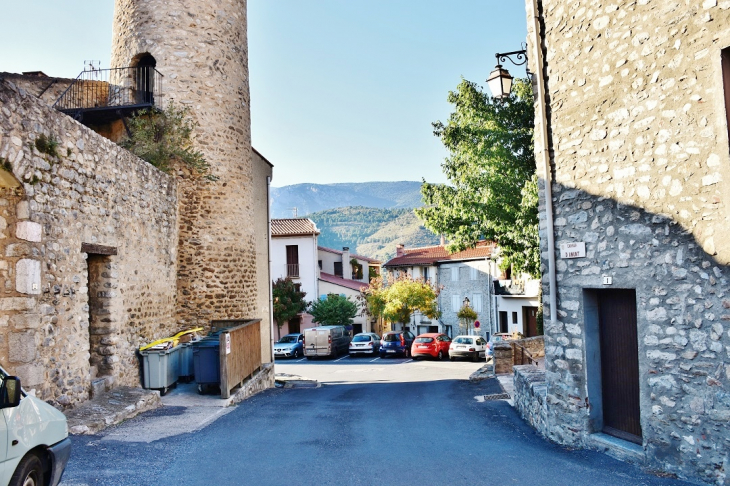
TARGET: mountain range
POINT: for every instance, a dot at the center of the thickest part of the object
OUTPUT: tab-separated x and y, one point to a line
370	218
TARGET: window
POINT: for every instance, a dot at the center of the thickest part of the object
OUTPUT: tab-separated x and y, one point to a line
454	274
425	273
319	262
473	272
725	55
514	318
292	260
476	302
338	269
455	303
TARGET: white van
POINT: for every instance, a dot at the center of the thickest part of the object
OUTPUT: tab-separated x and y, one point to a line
34	443
326	341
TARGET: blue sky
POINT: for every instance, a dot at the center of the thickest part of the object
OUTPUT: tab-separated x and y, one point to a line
341	90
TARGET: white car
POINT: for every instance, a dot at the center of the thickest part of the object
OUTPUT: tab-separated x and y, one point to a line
473	347
34	443
365	343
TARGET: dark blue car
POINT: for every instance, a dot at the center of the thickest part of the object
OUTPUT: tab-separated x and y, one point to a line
396	343
289	346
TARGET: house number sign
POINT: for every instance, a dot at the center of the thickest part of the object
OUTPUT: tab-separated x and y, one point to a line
573	250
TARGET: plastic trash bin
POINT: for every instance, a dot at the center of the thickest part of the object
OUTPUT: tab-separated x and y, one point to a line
206	362
186	370
160	368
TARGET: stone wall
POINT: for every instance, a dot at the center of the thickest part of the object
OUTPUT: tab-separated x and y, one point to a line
201	50
639	149
91	193
466	287
529	396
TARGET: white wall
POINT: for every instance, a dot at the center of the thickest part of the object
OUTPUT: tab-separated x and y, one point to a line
330	288
514	304
308	268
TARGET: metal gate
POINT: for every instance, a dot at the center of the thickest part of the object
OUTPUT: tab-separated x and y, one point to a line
619	364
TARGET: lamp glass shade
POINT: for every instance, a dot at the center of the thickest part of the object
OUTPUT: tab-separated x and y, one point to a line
500	82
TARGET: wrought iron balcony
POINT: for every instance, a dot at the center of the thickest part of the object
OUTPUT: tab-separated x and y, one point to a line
101	95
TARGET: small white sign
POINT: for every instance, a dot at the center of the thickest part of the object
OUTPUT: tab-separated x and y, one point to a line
573	250
607	280
228	343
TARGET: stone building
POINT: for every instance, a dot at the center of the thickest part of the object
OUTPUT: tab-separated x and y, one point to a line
633	150
100	252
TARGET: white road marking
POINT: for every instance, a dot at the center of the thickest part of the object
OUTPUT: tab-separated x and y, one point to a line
299	361
344	357
407	361
372	361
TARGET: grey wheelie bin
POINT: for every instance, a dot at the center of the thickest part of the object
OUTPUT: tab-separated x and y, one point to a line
160	368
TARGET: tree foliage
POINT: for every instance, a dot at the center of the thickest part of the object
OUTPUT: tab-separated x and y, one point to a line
396	299
334	310
492	191
165	138
288	301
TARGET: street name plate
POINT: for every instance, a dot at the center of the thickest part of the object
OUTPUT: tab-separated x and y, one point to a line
573	250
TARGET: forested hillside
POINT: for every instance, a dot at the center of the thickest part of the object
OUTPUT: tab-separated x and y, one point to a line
371	232
310	198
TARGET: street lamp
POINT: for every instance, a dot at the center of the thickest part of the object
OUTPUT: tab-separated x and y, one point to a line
466	303
500	80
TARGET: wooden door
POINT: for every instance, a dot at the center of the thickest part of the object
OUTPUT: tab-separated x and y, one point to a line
530	321
619	363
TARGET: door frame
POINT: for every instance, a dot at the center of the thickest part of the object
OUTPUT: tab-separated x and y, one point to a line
593	368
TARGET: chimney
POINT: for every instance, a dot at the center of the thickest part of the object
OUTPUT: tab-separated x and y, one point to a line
443	240
399	250
346	267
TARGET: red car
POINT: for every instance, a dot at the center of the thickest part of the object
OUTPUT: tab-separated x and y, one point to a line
433	344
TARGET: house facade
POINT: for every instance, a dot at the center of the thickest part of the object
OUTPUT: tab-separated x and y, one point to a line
294	255
632	104
463	277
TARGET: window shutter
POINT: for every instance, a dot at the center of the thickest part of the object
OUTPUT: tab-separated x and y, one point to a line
323	297
454	274
476	302
473	272
455	303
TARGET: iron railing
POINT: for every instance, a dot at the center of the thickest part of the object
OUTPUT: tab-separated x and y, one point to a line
292	269
112	88
521	356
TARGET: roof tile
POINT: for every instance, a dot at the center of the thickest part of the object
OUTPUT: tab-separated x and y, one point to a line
431	254
293	227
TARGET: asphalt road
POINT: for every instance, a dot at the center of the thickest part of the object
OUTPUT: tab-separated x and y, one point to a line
391	421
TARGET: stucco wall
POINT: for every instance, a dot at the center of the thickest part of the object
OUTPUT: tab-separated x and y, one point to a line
466	287
641	169
92	192
308	269
261	171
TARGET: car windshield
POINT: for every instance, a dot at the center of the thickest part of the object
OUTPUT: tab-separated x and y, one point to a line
288	339
424	340
463	340
361	338
391	337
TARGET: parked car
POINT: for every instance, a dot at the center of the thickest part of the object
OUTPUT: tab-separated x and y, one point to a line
365	343
474	347
289	346
432	344
34	435
394	343
325	341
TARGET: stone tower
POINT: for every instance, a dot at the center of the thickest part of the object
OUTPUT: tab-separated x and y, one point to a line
200	47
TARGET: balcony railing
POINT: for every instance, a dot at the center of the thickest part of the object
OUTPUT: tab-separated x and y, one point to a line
292	269
112	89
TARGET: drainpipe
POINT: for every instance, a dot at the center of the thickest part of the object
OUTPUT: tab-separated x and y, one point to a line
543	159
268	243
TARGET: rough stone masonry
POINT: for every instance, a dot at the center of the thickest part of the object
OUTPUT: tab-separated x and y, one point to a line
638	145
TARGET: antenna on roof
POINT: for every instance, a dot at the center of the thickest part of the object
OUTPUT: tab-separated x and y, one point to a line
294	212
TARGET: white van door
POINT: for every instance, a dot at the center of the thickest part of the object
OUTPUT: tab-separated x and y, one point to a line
4	475
323	342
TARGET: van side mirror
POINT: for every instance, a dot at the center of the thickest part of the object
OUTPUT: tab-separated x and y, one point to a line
10	392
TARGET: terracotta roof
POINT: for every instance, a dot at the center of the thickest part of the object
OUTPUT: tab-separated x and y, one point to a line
352	255
429	255
293	227
342	282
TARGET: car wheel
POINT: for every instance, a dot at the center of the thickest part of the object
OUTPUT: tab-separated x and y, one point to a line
407	352
451	358
475	357
296	354
440	355
29	472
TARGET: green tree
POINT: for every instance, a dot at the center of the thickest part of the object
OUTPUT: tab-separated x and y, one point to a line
334	310
164	138
288	301
396	299
492	189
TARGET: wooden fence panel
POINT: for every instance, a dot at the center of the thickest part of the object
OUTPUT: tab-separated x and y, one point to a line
244	358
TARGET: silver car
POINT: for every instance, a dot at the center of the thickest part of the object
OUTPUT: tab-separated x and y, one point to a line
365	343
